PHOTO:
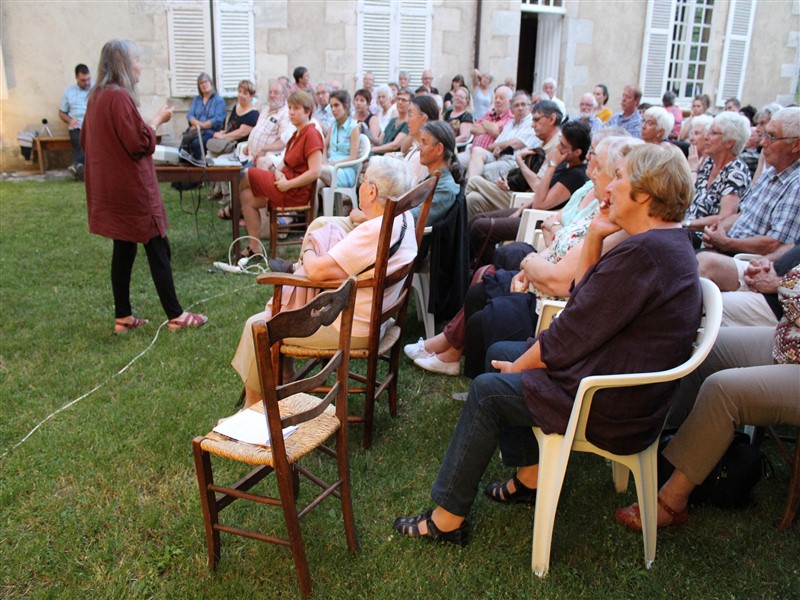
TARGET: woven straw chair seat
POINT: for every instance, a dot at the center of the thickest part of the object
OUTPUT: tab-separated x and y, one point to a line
387	341
308	436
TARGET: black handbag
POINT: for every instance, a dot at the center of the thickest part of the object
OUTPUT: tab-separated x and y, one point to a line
516	181
730	483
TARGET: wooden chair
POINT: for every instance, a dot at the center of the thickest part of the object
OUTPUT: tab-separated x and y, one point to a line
384	348
555	449
298	218
285	405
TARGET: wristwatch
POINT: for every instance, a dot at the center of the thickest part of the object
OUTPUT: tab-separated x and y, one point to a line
550	163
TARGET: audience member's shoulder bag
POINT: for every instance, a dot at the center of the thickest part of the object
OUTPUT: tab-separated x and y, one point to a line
516	181
730	483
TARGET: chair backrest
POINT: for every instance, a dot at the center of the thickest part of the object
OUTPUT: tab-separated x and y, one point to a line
321	311
421	195
550	310
364	148
704	341
530	222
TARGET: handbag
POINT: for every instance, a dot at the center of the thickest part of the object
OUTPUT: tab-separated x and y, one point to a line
730	483
218	146
534	161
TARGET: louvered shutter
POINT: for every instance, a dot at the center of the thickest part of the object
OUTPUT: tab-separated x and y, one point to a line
374	43
234	51
189	46
656	49
414	39
736	49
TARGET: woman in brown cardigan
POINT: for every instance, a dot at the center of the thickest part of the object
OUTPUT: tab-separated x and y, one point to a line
122	194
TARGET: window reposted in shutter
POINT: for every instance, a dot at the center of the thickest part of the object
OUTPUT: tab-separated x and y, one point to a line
233	45
414	33
656	50
737	47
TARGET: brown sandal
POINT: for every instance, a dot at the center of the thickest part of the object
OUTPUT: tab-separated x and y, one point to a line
122	327
632	519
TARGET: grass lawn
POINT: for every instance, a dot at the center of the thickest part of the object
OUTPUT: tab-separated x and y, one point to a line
102	502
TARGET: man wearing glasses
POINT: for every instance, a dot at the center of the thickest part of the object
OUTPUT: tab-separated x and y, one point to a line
769	217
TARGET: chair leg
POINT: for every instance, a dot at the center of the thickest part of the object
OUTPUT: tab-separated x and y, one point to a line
793	499
289	505
273	233
208	501
369	401
345	491
620	474
552	468
645	476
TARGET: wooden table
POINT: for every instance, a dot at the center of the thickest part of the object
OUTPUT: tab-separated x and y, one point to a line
56	143
189	174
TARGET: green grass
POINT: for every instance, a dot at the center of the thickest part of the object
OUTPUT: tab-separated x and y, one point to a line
102	501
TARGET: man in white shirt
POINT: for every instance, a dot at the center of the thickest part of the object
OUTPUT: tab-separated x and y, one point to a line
498	159
273	129
549	87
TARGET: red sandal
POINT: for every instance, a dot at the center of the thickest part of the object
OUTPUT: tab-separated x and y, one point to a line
187	319
121	326
630	517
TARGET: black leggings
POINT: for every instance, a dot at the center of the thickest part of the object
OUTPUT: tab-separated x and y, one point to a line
159	256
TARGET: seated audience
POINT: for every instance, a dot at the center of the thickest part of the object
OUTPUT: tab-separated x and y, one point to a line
341	142
733	105
484	195
292	185
322	110
587	107
422	109
272	130
71	111
629	118
427	82
403	80
497	159
763	117
602	112
697	142
455	85
564	172
482	94
605	321
366	119
758	304
656	125
302	81
549	87
723	178
337	249
769	217
486	129
207	112
751	377
391	139
493	309
385	109
458	115
437	151
752	149
668	100
700	106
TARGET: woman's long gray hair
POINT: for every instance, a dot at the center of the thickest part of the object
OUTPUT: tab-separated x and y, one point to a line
116	66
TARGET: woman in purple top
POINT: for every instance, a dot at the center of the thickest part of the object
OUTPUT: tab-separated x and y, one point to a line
631	311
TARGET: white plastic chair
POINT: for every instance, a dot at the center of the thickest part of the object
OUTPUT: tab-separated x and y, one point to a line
422	286
328	193
465	145
554	449
527	226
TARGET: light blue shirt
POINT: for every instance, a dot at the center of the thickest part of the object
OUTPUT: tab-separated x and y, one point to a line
74	102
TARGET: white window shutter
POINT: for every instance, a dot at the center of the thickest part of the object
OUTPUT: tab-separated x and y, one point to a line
413	43
189	46
234	51
374	43
736	49
656	49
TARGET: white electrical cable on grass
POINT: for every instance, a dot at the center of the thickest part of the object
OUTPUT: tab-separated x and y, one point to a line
114	376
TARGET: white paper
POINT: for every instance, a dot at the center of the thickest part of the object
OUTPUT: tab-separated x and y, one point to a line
249	426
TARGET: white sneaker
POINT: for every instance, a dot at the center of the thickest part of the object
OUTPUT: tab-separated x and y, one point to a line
415	351
434	365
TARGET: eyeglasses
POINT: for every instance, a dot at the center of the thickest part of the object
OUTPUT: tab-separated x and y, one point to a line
564	147
768	135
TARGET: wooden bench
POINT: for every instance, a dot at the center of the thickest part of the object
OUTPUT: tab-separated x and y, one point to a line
56	143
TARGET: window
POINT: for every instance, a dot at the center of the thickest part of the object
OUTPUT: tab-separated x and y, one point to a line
214	37
676	46
393	36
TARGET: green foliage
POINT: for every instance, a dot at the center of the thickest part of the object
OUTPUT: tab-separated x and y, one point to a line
101	501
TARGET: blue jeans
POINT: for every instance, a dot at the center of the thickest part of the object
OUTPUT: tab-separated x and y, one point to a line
495	411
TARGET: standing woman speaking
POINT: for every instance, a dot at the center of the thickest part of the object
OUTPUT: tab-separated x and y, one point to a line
122	193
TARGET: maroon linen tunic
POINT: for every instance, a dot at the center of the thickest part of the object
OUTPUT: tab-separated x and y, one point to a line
122	194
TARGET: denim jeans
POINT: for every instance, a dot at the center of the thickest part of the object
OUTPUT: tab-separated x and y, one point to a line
495	411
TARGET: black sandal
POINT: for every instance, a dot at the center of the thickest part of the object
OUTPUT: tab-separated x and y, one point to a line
409	527
498	491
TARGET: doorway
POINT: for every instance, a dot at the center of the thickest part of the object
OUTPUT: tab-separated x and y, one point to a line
526	59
